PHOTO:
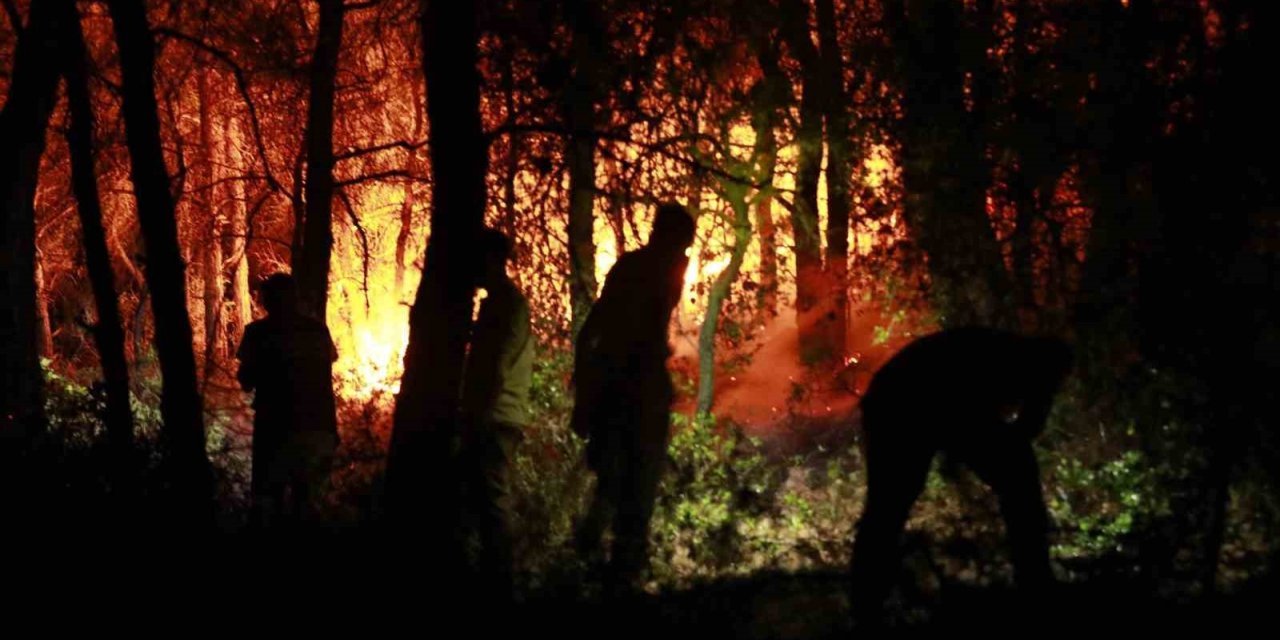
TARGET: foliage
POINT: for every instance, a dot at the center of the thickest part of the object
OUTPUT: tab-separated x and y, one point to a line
549	483
717	485
1099	508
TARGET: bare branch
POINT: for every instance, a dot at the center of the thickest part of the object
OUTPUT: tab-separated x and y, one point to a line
364	243
398	144
242	84
381	175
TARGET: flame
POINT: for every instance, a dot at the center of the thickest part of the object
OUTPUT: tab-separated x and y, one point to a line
377	363
368	317
691	272
713	268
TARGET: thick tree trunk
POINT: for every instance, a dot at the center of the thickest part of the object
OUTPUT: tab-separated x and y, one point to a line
810	288
180	403
107	332
839	173
22	128
418	482
312	267
580	120
772	95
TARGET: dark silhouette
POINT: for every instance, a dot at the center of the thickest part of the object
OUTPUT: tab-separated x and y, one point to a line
426	410
286	359
108	333
31	98
624	393
494	409
979	396
313	244
181	404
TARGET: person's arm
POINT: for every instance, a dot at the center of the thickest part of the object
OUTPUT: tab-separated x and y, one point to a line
484	367
602	314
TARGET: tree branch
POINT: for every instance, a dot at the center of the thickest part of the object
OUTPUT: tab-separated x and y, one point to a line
398	144
242	85
381	175
364	243
357	6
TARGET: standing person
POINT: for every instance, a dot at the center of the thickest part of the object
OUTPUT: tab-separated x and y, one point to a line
286	359
494	408
623	392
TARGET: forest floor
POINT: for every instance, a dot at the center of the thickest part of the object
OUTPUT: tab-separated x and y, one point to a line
351	599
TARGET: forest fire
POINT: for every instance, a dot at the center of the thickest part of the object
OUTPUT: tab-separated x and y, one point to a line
201	197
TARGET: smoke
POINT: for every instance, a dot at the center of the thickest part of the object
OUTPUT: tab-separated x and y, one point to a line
775	397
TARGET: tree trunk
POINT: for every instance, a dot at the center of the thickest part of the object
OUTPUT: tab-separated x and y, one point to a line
424	420
810	289
238	226
180	403
736	195
945	172
772	95
44	329
22	128
209	208
767	292
580	120
312	267
1121	202
839	181
107	332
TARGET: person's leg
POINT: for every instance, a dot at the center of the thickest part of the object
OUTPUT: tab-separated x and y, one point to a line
493	509
644	461
1009	467
315	466
263	489
603	457
272	505
896	472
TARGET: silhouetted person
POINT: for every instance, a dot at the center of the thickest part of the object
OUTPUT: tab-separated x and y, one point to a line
495	395
623	392
979	396
286	359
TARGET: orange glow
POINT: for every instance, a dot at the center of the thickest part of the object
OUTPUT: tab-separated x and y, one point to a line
376	365
369	319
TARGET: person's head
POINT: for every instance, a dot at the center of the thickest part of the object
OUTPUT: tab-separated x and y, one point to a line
279	294
494	249
673	228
